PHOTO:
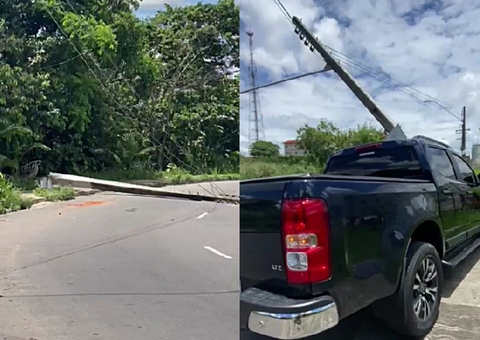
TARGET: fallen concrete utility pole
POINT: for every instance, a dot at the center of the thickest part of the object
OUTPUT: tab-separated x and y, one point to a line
127	188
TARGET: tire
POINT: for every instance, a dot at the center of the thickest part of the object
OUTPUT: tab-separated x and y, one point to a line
402	317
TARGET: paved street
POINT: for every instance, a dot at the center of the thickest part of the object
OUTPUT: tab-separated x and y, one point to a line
459	317
112	266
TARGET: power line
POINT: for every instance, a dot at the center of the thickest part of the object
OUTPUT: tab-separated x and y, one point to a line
282	81
370	71
424	100
444	108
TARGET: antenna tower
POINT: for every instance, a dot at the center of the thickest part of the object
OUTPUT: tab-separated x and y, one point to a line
256	130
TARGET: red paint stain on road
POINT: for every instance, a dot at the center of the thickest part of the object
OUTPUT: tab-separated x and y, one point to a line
86	204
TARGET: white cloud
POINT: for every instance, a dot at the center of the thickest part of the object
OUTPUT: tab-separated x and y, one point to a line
429	45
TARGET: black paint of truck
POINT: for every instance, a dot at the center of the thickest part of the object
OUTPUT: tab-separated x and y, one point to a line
375	212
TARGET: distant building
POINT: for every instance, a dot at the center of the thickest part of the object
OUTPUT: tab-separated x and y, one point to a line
475	156
292	149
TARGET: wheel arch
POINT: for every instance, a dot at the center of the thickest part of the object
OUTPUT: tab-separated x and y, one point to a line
428	231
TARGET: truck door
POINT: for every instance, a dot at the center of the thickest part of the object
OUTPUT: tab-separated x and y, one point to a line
470	193
451	204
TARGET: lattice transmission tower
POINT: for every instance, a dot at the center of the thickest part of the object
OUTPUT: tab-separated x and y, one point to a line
256	130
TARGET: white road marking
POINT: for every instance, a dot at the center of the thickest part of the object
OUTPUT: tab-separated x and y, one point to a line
215	251
199	217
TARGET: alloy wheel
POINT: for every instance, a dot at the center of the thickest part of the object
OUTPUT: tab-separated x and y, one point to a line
425	289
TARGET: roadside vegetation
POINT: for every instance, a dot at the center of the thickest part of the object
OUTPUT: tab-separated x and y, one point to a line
319	142
11	198
89	88
55	194
170	176
251	167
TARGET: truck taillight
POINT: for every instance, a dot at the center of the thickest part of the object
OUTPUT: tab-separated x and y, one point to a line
306	240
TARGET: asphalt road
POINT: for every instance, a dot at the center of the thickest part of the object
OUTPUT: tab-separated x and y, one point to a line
118	267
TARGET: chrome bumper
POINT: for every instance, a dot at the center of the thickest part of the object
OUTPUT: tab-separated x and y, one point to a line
316	316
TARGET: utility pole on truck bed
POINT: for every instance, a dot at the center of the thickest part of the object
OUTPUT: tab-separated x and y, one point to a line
394	130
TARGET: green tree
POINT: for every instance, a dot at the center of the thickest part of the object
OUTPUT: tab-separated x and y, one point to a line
326	138
89	77
264	149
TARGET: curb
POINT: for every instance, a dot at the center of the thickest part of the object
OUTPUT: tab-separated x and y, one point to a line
102	185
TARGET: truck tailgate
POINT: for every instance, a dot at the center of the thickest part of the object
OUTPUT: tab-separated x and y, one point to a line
261	254
358	208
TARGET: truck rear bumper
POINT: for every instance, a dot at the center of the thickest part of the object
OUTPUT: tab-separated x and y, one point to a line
282	318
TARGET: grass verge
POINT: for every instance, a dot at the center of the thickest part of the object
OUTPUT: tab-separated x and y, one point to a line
11	198
55	194
258	168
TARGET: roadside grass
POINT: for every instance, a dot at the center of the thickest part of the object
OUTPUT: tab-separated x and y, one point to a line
55	194
251	168
24	184
169	177
11	198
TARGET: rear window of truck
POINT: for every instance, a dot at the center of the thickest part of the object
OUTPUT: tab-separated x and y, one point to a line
396	162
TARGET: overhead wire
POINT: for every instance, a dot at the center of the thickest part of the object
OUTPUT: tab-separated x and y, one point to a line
405	88
282	81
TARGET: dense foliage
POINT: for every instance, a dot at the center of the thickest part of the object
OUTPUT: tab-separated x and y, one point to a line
263	148
86	86
319	143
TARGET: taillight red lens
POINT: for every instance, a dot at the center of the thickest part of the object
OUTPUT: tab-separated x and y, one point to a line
306	239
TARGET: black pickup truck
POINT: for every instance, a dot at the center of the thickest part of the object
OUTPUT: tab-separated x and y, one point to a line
377	229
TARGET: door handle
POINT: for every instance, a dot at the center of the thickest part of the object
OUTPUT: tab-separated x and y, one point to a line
446	191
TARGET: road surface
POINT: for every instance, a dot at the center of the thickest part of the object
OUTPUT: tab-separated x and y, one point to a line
113	266
459	313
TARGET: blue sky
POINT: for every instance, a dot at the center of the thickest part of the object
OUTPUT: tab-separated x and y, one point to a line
150	7
432	46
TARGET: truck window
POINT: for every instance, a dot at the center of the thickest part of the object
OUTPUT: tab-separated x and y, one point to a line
398	162
440	162
466	174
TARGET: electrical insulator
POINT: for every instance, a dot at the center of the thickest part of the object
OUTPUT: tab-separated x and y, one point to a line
297	31
312	49
306	43
301	36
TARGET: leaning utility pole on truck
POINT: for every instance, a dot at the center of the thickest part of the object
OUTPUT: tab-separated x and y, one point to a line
394	130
